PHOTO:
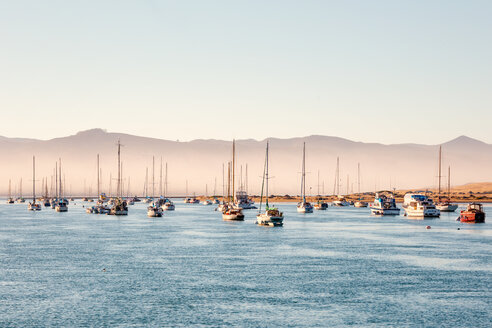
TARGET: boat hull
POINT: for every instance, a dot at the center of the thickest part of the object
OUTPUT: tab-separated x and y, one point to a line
233	217
269	221
426	213
471	217
303	209
385	211
447	207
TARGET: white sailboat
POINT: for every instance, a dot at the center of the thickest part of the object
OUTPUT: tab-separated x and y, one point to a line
61	204
229	211
444	203
303	206
120	206
34	206
167	205
154	210
10	200
359	202
272	217
341	201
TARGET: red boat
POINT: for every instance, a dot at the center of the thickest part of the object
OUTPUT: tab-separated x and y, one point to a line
473	214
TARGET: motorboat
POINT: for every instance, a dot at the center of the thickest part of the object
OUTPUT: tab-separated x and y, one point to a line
384	204
473	214
418	205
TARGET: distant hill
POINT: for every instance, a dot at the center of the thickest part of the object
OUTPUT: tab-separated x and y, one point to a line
200	162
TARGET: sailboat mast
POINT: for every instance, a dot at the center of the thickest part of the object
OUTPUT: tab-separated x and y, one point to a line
449	182
439	173
153	176
358	179
20	188
246	178
266	178
33	180
338	176
118	188
165	183
303	173
223	182
56	180
233	170
98	183
160	180
146	182
228	181
60	179
10	188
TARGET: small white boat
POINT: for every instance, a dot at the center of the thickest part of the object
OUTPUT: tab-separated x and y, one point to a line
34	207
417	205
232	214
446	206
341	202
360	204
207	202
154	211
384	204
303	206
61	206
167	205
272	217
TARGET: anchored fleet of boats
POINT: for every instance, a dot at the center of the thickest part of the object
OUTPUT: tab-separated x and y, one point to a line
415	205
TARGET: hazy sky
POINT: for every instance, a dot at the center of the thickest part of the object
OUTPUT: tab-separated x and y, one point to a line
378	71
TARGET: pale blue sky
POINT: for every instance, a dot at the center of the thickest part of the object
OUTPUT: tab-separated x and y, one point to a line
374	71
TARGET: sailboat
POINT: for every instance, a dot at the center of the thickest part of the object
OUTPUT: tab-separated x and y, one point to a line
359	202
154	210
272	217
10	200
444	203
303	206
46	199
34	206
229	211
20	199
341	201
206	201
167	205
61	205
320	205
120	206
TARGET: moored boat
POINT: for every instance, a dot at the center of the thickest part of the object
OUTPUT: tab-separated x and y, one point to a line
417	205
304	206
473	214
384	204
272	217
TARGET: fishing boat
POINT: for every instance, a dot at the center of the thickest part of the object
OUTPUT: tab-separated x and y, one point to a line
444	202
120	207
272	217
473	214
33	206
303	206
10	200
418	205
229	211
384	204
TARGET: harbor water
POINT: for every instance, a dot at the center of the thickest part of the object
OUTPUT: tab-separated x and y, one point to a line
335	268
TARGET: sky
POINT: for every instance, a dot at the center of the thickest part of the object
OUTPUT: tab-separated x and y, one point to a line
371	71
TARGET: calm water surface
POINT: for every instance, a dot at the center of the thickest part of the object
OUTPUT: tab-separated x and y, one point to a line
340	267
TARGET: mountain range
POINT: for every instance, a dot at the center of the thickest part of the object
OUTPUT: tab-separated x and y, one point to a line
200	162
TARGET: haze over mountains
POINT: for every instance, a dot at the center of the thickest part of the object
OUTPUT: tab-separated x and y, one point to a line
200	162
